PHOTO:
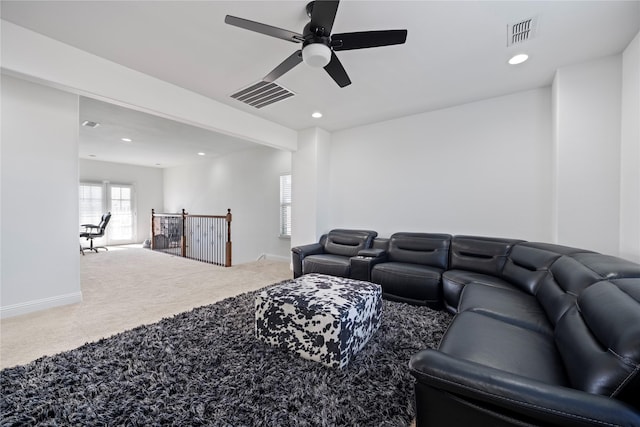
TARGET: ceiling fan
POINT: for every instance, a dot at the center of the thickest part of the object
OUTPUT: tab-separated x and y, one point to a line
318	44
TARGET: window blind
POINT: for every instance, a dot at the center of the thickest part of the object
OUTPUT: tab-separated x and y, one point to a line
91	203
285	205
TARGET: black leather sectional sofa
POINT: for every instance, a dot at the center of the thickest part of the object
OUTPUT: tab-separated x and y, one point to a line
543	334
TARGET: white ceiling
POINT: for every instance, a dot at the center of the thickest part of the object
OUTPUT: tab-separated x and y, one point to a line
155	141
456	52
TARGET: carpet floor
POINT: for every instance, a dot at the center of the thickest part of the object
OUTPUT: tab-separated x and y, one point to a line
204	367
127	287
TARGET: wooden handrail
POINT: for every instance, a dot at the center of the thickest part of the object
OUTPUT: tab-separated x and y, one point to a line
207	216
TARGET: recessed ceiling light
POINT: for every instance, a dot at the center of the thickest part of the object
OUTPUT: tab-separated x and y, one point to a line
90	124
316	115
518	59
201	154
126	139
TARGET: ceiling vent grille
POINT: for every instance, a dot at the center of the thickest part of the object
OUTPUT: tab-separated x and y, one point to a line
90	124
261	94
521	31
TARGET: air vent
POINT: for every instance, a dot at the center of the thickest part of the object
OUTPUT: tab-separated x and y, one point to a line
90	124
261	94
521	31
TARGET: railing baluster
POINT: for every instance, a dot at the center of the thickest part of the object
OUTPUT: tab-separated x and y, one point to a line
204	238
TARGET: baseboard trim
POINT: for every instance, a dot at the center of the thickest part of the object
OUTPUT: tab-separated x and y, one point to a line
39	304
274	257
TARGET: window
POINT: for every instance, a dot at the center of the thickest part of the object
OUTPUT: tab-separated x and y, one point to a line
121	224
97	199
91	203
285	206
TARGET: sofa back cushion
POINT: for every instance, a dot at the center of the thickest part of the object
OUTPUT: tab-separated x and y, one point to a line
348	242
380	243
527	266
599	340
480	254
607	266
420	248
558	290
552	247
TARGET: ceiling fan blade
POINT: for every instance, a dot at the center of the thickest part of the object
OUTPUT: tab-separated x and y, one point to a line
284	66
337	72
264	29
323	14
366	39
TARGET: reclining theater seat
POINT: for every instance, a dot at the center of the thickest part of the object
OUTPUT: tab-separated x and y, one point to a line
504	326
526	268
412	272
332	255
545	285
561	346
474	259
586	374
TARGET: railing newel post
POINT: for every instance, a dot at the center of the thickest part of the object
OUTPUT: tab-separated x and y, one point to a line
184	233
153	231
227	262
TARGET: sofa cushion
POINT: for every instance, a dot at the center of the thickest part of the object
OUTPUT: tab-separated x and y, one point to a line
599	339
454	281
348	242
552	247
412	282
334	265
526	266
607	266
559	290
420	248
480	254
509	305
501	345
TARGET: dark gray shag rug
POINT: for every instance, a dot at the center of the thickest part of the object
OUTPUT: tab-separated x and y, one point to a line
204	367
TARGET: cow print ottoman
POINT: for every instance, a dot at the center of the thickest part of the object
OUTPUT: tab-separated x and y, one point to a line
322	318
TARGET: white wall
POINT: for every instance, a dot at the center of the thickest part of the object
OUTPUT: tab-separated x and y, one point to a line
147	183
587	117
310	186
246	182
630	153
481	168
39	231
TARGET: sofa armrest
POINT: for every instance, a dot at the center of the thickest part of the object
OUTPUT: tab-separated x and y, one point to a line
305	250
371	252
362	264
299	252
500	390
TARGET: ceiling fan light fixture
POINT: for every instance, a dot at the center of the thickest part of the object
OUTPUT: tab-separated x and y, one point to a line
316	55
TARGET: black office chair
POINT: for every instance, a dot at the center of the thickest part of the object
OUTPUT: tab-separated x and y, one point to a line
92	231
